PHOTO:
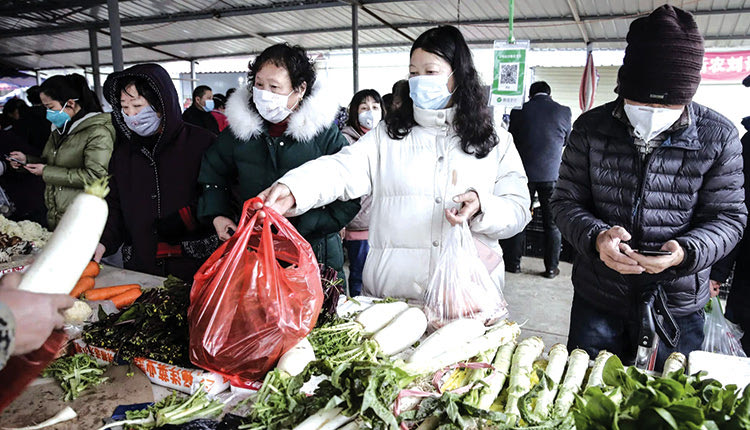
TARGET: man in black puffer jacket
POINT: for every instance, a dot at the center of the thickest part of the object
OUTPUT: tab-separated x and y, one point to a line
659	172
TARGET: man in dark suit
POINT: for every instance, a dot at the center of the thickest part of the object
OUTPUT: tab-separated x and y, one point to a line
539	131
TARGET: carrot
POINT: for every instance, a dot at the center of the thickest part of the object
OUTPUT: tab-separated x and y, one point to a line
91	270
105	293
84	284
126	299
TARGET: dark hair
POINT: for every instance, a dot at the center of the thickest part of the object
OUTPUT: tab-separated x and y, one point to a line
15	104
387	103
66	87
144	89
230	92
220	101
358	98
32	93
473	119
293	58
200	91
539	87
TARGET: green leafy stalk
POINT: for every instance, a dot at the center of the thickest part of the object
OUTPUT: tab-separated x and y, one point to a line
75	374
98	188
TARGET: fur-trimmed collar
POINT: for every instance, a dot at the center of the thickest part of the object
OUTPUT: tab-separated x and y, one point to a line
316	114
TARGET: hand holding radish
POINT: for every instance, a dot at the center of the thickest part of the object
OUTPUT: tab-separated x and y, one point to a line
36	315
469	207
277	197
225	227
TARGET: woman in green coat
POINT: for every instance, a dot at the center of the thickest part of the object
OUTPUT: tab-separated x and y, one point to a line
281	120
79	147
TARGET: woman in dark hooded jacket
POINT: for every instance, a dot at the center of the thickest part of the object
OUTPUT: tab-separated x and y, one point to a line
154	184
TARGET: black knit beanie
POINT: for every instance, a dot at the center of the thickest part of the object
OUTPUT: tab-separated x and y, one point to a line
663	59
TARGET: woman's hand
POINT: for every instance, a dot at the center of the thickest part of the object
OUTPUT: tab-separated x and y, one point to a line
225	227
20	156
469	207
36	315
35	169
277	197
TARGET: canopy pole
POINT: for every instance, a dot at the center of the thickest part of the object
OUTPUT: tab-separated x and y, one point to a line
192	78
38	77
115	34
511	12
355	45
94	47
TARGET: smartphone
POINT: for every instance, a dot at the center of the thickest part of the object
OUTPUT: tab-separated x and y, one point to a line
652	252
8	157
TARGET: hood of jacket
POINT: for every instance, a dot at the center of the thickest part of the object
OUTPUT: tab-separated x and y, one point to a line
162	85
349	131
315	114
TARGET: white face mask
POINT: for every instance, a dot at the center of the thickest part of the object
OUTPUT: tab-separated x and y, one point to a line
369	118
271	106
430	91
648	122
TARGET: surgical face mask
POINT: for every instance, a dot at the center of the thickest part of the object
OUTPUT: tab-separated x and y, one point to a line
648	122
209	105
144	123
58	118
271	106
369	119
430	91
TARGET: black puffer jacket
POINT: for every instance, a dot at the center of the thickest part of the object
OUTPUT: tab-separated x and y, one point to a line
689	189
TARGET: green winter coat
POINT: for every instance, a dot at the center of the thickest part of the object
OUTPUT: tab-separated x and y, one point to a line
246	154
74	159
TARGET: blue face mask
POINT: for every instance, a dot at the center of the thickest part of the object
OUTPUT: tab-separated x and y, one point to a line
58	118
144	123
209	105
430	91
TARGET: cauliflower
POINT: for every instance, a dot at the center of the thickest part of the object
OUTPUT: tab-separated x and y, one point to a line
77	313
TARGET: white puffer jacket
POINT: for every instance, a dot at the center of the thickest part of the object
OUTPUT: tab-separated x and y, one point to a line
412	182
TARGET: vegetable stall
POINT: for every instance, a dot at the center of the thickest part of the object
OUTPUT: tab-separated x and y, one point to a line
363	363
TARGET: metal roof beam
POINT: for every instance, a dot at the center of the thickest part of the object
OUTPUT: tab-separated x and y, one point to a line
15	8
187	16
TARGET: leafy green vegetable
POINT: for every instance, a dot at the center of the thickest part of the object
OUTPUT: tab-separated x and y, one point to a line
155	326
634	400
454	414
75	374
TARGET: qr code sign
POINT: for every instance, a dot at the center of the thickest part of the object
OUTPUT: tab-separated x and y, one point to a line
508	79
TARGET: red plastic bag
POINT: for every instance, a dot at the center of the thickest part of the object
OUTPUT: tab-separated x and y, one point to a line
246	310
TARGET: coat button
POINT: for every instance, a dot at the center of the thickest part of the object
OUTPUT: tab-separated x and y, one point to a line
281	143
438	200
440	159
436	243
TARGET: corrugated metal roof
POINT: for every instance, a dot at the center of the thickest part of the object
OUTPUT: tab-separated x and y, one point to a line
37	35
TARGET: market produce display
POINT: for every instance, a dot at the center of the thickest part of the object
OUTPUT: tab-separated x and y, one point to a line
20	238
155	325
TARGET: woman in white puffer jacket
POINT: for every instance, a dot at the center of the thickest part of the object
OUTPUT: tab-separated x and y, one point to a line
435	162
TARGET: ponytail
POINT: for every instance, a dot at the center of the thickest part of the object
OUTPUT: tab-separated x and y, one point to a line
74	86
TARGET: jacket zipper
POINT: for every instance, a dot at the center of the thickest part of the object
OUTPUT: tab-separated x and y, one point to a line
643	169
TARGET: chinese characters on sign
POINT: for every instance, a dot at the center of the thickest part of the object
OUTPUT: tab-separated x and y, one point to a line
509	72
726	66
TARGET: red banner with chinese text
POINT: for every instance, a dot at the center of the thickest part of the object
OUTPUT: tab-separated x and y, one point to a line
726	66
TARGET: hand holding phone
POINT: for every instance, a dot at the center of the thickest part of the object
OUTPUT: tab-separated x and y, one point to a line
652	252
9	158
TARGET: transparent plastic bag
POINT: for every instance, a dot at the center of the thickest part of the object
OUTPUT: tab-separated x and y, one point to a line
721	335
461	286
256	297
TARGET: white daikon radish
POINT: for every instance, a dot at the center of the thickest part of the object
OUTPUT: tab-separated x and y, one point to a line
353	425
520	371
595	377
578	362
402	332
558	357
336	422
66	414
502	362
495	336
451	335
318	419
379	315
296	359
59	266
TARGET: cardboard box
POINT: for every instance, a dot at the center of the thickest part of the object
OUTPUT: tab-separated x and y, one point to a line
167	375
